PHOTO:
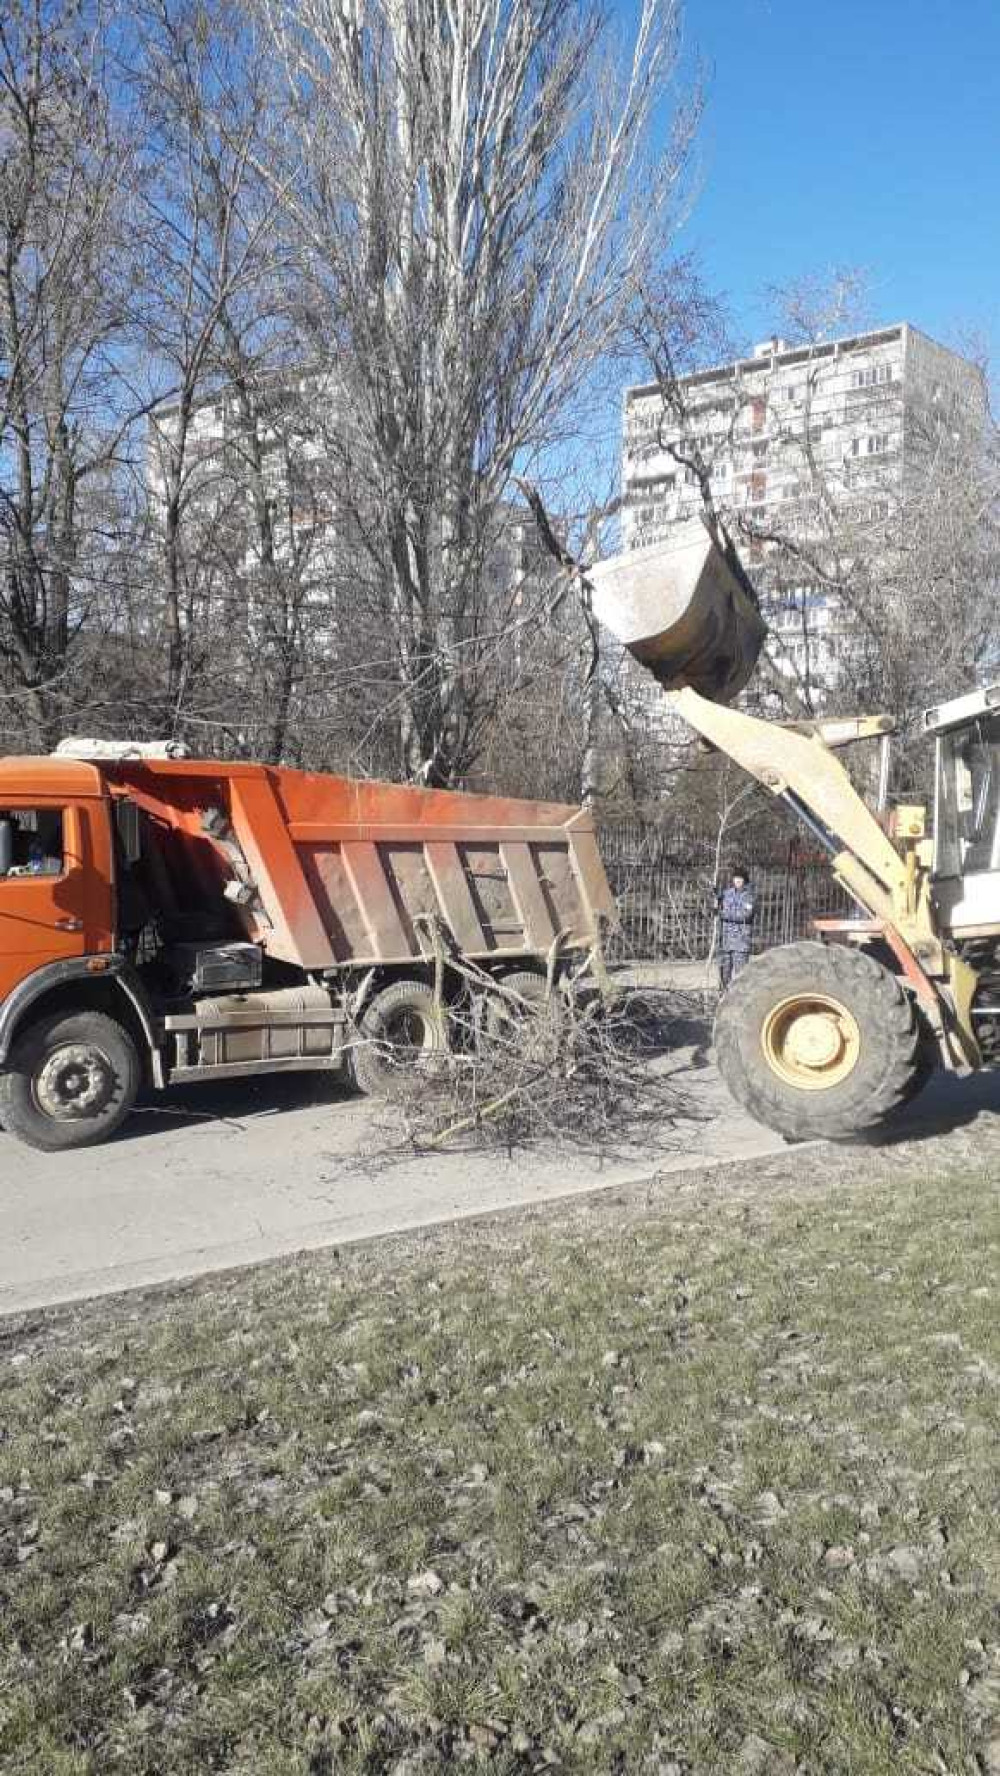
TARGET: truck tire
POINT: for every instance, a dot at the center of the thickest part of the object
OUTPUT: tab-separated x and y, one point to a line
71	1080
522	1012
818	1041
400	1031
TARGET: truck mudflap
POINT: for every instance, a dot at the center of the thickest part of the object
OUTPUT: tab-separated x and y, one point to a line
89	969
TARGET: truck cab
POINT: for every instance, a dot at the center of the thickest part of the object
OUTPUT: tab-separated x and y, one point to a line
56	868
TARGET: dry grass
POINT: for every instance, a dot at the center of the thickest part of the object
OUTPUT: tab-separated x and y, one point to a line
700	1478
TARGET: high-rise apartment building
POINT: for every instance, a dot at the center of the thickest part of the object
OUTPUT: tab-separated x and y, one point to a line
793	444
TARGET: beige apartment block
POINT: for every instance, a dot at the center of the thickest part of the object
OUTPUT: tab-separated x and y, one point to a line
786	440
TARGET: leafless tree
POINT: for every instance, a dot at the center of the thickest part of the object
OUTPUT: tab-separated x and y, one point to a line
901	550
473	193
66	179
227	562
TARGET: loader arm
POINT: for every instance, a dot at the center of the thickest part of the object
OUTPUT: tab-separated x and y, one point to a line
802	771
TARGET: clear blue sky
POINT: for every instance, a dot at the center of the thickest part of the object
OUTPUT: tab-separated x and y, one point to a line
865	132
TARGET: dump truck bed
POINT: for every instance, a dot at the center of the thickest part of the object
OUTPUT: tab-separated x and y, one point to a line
352	873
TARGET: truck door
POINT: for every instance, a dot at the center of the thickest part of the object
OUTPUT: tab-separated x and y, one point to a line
43	888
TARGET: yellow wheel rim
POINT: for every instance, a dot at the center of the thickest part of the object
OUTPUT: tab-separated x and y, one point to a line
811	1041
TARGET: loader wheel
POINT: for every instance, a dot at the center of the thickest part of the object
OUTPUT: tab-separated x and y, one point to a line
400	1032
71	1080
818	1041
523	1016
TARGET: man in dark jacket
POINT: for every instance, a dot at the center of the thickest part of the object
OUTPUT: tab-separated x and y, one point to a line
735	907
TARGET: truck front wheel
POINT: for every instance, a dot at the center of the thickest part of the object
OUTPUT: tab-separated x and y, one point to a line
70	1081
818	1041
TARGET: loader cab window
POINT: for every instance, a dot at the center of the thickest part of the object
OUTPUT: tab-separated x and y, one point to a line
31	843
968	804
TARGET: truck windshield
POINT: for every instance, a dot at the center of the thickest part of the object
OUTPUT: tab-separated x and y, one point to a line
968	806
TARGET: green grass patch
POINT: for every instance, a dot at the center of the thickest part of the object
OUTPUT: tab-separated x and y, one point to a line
686	1481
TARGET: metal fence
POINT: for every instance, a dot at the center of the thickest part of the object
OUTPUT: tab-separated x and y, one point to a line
667	905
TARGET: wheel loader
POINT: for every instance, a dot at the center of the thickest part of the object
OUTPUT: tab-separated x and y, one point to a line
829	1037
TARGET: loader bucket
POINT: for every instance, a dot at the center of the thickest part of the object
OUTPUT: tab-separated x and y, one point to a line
685	609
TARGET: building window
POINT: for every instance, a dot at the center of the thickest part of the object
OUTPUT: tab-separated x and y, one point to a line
876	444
874	373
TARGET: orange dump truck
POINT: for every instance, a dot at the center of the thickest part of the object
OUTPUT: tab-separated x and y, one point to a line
166	919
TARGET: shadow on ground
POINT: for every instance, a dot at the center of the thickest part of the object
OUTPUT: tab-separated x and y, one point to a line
235	1101
947	1103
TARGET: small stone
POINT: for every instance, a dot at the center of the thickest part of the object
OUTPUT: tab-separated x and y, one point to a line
162	1496
839	1658
187	1507
425	1584
610	1360
485	1736
159	1552
367	1420
838	1558
905	1563
757	1757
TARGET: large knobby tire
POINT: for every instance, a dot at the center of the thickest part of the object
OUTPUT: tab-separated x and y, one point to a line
71	1080
525	1017
401	1032
818	1041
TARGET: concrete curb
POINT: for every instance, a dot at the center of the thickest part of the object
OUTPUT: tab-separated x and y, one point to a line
201	1264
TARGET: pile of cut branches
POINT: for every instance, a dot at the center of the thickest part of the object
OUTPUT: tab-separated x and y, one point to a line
529	1061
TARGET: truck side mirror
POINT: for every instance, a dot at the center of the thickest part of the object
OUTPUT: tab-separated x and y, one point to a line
6	846
129	831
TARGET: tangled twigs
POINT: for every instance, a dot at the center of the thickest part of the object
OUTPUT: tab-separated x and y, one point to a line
531	1062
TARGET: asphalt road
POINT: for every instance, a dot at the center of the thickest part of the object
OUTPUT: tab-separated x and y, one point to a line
210	1177
213	1177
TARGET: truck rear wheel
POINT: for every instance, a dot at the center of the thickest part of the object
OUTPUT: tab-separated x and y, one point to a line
71	1080
522	1014
818	1041
400	1032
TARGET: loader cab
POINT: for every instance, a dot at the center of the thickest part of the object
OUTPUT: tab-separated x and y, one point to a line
967	813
